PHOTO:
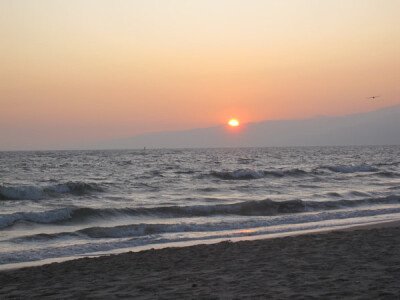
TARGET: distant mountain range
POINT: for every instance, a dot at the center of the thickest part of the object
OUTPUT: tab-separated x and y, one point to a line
380	127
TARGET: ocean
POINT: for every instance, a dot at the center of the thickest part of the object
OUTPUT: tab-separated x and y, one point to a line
57	205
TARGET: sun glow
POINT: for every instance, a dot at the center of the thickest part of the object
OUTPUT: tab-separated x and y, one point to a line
233	123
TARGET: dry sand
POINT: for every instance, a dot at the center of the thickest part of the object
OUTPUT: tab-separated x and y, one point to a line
359	264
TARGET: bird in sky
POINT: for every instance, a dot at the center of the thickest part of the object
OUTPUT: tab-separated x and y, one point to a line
373	97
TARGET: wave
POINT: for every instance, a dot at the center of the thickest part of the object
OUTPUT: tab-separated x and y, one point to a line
239	174
150	231
129	236
49	216
351	169
265	207
391	164
388	174
244	174
30	192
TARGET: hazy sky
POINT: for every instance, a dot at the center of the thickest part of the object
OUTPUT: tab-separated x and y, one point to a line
74	71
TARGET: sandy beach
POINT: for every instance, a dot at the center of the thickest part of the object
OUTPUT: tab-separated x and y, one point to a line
362	264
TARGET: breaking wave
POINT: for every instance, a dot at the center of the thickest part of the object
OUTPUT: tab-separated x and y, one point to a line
49	216
239	174
351	169
150	231
245	174
29	192
388	174
248	208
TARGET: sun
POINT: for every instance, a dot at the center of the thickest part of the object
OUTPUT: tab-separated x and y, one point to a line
233	123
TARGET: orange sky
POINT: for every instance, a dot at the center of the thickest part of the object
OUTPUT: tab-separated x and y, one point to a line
74	71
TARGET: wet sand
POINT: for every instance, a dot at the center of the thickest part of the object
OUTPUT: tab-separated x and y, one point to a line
362	264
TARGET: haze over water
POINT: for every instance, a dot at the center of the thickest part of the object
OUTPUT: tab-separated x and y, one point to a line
59	204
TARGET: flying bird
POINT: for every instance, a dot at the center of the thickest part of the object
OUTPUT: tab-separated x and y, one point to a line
373	97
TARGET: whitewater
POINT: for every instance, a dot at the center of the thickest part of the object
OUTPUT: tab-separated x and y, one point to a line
57	205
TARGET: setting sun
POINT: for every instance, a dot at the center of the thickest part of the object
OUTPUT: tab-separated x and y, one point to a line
233	122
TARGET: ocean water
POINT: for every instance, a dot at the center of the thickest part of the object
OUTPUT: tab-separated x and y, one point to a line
68	204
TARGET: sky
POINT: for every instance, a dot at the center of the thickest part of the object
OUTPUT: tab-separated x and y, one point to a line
76	71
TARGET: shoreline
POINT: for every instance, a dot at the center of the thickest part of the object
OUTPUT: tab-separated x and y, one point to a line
30	264
357	262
